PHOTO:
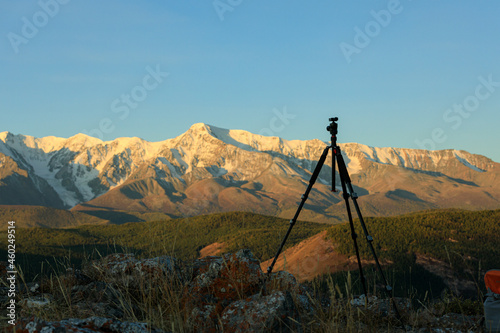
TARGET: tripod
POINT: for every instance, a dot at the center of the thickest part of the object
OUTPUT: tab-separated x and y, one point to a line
348	191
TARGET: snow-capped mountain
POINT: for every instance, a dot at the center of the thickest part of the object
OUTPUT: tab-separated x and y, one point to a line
210	169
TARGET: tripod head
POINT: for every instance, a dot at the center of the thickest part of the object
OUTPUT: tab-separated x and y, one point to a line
333	127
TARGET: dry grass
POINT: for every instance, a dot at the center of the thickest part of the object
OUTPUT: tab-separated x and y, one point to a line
158	303
154	302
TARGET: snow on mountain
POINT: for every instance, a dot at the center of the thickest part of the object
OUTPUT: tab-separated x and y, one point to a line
81	168
462	157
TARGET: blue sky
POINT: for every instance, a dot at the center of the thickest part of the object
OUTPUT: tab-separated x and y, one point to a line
413	74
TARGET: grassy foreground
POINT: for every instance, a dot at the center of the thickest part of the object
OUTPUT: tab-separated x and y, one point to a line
333	306
465	240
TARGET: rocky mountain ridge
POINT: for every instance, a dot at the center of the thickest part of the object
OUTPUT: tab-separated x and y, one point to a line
210	169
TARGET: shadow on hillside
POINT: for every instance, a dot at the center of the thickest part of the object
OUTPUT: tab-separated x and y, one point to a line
402	194
440	174
57	259
18	189
112	216
409	281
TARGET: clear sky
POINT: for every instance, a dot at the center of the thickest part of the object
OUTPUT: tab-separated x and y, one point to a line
412	74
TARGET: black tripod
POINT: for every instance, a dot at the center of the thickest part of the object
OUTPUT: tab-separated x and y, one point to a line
348	191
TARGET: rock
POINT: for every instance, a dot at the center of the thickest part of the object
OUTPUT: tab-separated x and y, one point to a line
127	271
91	324
457	321
204	317
216	283
285	281
382	306
34	287
271	313
96	298
242	268
281	280
38	301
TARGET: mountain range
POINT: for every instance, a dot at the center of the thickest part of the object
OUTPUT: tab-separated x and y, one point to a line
209	169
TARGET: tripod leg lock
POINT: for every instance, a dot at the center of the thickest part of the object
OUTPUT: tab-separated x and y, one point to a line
369	238
388	288
354	195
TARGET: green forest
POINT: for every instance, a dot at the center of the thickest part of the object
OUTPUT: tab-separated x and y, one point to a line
182	238
467	241
457	237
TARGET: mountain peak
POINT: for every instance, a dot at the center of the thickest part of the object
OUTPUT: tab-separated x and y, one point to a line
239	138
199	127
3	135
84	139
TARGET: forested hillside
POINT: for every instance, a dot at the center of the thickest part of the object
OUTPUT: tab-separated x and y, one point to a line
455	236
465	242
182	238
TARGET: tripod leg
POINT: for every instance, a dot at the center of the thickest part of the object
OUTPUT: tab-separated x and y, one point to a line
333	170
344	174
304	198
353	234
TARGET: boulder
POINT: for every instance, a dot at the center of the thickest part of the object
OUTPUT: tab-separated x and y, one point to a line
216	283
281	280
38	301
125	270
272	313
96	298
